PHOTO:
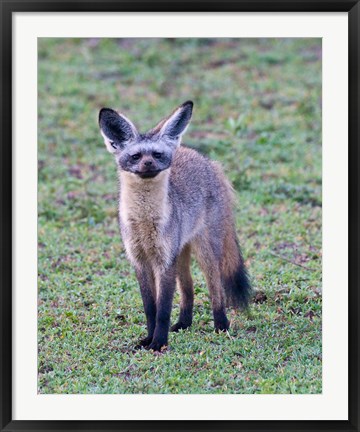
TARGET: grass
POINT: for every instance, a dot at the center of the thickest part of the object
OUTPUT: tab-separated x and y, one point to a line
257	111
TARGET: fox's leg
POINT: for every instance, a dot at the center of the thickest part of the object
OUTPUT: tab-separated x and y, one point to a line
185	284
165	282
147	287
210	265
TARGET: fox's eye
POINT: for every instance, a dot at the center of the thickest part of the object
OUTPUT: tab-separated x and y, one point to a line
136	156
157	155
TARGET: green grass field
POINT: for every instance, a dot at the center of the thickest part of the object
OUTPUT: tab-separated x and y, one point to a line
257	111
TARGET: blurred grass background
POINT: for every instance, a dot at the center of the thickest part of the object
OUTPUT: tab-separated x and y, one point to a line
257	111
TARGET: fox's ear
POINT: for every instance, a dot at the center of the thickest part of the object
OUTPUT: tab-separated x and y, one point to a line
116	129
176	124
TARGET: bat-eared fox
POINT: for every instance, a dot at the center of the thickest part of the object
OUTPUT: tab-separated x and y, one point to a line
174	202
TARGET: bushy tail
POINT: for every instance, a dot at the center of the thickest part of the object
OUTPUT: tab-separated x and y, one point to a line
235	278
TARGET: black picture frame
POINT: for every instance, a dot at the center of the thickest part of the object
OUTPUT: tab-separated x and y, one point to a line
7	8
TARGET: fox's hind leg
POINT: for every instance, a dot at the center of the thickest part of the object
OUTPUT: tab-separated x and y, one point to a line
208	258
185	284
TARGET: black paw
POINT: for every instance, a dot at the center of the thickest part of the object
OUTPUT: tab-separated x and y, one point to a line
220	320
157	346
144	343
222	326
179	326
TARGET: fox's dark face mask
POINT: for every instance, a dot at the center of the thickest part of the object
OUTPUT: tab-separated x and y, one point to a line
145	155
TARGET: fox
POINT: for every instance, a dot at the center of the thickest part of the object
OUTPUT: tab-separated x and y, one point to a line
174	203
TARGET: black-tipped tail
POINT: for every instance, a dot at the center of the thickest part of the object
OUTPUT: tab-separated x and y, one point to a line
235	278
238	288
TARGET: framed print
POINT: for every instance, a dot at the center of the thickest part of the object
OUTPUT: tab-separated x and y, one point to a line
179	215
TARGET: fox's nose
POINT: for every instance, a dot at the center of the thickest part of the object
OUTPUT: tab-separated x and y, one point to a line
148	163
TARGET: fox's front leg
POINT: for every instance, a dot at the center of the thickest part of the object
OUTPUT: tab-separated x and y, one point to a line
166	288
148	291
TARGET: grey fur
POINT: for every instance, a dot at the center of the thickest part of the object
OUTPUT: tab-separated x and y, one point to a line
172	199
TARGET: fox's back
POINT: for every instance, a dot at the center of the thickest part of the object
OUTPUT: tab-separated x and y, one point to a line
196	179
200	193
